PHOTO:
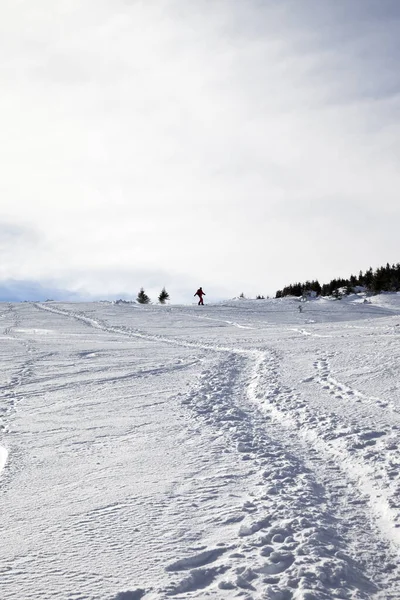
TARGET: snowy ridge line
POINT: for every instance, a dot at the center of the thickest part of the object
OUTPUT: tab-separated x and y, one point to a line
379	501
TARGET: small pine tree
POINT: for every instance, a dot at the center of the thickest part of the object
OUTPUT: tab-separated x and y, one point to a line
163	296
142	297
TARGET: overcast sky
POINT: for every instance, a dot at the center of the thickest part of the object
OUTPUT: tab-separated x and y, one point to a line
240	145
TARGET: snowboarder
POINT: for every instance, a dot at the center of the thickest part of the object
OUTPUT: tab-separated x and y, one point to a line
200	294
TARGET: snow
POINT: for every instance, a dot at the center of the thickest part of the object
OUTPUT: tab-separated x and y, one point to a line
241	449
3	458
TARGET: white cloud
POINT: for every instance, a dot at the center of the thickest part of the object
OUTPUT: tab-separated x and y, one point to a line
237	145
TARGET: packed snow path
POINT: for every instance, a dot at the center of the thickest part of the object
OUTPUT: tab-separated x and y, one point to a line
238	450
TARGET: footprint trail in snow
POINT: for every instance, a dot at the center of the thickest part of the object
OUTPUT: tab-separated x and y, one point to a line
248	451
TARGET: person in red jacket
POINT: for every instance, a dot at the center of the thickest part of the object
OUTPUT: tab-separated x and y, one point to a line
200	294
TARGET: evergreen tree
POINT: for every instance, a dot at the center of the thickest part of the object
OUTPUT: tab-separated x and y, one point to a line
368	277
163	296
142	297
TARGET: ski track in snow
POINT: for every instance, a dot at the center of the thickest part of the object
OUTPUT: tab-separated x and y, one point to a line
3	458
316	514
17	375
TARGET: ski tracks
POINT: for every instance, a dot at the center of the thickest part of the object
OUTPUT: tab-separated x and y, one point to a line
21	365
363	434
358	467
283	541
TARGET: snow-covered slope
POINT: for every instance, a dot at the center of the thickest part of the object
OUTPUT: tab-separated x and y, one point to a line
241	450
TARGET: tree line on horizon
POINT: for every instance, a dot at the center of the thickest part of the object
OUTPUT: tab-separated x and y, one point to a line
382	279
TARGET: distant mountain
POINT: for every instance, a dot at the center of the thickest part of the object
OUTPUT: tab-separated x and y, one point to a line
12	290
